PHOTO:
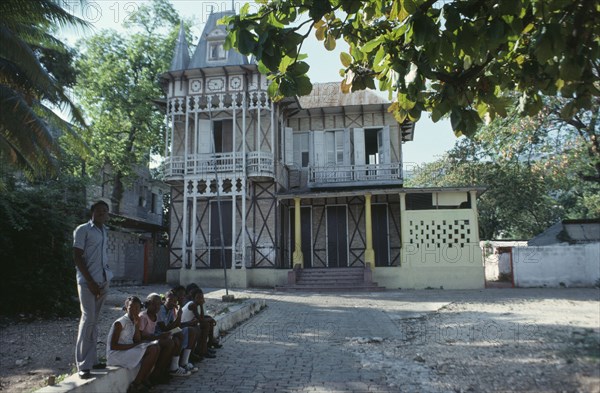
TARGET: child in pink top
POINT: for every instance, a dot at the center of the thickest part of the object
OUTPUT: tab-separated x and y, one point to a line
168	346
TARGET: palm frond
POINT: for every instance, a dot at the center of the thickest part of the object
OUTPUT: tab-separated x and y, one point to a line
39	12
20	54
25	135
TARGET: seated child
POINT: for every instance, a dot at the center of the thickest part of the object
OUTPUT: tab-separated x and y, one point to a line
126	348
167	363
212	341
167	320
191	313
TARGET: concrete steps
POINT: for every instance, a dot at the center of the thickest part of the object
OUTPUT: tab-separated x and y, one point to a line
331	280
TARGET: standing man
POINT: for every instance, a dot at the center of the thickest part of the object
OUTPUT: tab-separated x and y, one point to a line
90	253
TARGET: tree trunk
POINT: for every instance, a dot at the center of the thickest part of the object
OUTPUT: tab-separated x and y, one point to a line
117	193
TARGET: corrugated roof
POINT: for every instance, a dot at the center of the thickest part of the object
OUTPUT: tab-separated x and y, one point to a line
329	94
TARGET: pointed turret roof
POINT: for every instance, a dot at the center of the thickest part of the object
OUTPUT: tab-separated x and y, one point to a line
181	55
214	34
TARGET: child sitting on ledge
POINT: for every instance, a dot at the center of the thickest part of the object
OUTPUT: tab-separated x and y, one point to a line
126	348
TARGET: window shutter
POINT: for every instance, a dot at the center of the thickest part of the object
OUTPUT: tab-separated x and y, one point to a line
205	142
290	146
384	148
347	148
318	148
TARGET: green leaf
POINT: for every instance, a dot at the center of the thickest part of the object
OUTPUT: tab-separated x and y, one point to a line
377	66
262	68
298	68
330	42
320	32
244	10
346	59
287	87
404	102
247	42
456	117
570	70
303	85
369	46
543	48
273	88
410	6
436	114
467	62
285	63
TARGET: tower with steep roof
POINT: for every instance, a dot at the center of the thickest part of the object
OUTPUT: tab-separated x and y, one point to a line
222	138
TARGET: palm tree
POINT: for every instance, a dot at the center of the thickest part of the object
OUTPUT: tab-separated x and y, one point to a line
33	66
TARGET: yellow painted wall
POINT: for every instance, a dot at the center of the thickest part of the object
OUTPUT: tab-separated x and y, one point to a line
402	277
441	249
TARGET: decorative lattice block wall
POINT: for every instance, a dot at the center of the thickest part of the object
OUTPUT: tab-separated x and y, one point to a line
431	233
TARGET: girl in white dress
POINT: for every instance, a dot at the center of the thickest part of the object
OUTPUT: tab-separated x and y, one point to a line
126	348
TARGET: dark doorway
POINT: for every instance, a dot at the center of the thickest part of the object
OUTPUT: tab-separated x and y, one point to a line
215	234
305	229
379	223
337	237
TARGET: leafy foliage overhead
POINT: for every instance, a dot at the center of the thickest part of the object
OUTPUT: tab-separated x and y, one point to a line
450	58
118	81
35	72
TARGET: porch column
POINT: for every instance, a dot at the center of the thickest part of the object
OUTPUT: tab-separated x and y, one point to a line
475	214
298	258
404	238
369	252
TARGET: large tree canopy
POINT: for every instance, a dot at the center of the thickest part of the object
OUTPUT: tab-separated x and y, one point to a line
118	79
448	57
35	71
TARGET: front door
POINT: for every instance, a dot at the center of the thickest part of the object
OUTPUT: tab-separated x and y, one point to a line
337	236
380	234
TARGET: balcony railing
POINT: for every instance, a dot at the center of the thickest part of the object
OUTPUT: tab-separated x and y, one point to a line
260	163
257	164
346	175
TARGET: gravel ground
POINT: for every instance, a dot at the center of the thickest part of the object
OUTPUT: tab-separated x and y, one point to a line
507	340
495	340
32	351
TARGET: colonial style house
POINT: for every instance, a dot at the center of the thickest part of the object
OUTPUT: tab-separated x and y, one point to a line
265	191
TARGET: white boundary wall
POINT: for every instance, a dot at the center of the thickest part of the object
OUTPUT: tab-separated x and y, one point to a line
559	265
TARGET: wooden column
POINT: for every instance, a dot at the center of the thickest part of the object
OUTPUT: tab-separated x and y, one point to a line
298	258
369	252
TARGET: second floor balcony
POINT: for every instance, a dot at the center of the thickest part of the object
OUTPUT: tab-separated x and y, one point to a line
354	175
259	164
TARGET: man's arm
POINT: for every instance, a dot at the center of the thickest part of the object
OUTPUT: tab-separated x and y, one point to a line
80	263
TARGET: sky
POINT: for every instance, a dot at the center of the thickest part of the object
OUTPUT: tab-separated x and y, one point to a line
431	140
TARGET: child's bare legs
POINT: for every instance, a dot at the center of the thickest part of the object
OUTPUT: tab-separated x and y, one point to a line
164	359
211	330
148	361
202	334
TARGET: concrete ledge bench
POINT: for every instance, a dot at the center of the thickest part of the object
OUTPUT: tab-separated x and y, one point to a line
117	379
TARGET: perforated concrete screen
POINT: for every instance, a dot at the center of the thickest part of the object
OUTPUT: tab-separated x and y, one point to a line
440	233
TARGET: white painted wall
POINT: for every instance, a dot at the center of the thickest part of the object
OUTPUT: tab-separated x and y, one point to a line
570	265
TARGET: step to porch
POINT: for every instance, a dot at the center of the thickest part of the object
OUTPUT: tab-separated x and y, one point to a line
332	280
